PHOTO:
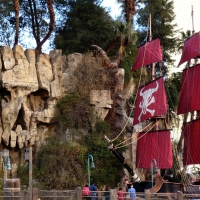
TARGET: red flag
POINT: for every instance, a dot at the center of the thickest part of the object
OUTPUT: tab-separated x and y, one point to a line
147	54
151	101
189	97
191	143
154	145
191	48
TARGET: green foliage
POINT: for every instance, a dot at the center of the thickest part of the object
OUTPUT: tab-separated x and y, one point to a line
59	165
162	17
1	178
34	21
108	170
184	36
127	62
173	89
23	174
73	111
177	164
6	27
102	127
87	23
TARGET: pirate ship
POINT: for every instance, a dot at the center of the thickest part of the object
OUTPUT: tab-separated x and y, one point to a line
154	149
189	106
154	143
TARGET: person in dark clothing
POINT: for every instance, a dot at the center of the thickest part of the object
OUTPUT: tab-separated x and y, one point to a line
93	191
107	193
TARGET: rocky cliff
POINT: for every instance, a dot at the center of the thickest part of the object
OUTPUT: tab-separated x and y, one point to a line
31	86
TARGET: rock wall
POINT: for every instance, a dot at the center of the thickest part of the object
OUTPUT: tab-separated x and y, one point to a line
30	88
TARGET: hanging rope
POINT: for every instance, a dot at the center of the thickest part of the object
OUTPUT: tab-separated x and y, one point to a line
136	133
137	138
136	92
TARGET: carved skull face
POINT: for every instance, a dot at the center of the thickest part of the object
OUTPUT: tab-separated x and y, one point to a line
27	85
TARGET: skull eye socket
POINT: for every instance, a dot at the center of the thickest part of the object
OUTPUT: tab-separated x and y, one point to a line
5	95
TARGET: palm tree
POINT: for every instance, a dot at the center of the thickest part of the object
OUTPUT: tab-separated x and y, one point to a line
124	30
124	33
184	36
51	26
129	9
16	8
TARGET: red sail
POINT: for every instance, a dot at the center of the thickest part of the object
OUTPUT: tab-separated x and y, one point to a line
151	101
189	97
191	48
154	145
147	54
191	143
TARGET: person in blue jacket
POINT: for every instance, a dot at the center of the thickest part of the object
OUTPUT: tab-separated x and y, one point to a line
93	191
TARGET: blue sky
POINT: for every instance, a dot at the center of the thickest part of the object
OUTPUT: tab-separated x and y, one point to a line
115	7
182	9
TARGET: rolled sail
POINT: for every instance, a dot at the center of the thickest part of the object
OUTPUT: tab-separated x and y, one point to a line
154	145
189	99
151	101
147	54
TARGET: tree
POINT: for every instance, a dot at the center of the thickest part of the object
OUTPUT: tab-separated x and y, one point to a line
60	165
16	8
173	89
25	17
184	37
6	26
87	23
162	17
124	27
108	170
129	8
36	15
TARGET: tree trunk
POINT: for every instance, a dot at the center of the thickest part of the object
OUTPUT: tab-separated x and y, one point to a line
16	8
51	26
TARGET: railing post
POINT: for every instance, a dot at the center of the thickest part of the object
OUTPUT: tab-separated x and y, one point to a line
180	195
147	195
113	194
30	174
35	193
78	194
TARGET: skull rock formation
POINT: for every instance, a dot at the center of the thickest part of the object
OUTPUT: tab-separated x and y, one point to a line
32	85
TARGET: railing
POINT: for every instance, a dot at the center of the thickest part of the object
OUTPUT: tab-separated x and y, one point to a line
100	195
56	194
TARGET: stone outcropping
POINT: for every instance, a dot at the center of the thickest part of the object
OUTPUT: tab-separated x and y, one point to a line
31	86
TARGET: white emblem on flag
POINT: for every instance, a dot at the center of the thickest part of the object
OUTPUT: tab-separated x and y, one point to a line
147	100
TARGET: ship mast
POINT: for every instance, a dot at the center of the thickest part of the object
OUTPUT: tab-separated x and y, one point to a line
150	39
192	13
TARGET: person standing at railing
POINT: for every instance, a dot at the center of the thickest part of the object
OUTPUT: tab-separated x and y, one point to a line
93	191
107	193
120	194
132	192
86	192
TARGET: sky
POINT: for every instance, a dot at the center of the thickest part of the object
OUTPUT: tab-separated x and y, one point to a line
182	10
